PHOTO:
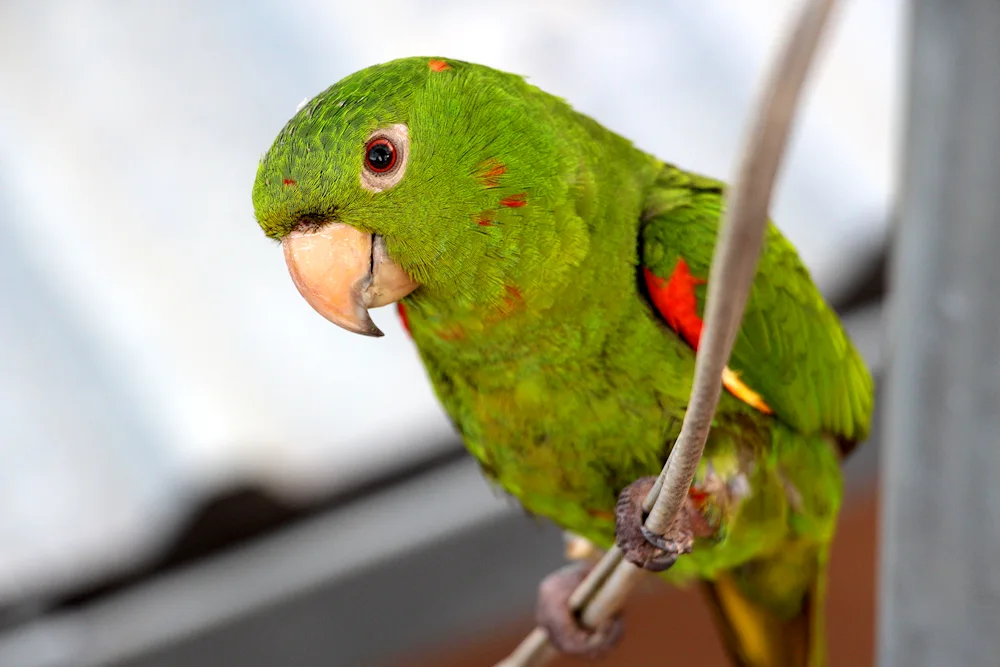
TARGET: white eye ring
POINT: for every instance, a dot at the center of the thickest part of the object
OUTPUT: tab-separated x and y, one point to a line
398	135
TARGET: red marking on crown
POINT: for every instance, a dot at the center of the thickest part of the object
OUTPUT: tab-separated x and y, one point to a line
401	309
438	65
289	181
676	301
515	201
490	172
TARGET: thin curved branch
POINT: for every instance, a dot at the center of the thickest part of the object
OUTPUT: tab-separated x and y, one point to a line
733	267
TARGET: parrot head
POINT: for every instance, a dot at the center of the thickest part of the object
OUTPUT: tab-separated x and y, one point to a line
421	175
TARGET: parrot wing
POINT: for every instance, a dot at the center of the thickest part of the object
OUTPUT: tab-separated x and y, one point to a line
791	356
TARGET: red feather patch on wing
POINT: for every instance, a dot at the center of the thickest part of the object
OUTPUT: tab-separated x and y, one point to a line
678	305
676	301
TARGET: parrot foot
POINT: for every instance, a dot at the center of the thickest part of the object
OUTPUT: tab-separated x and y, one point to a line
640	546
565	630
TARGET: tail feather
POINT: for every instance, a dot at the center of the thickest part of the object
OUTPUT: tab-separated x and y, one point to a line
760	635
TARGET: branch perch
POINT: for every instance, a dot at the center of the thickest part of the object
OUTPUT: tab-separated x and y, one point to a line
734	263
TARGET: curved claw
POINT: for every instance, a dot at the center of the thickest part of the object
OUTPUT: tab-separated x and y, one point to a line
658	541
639	545
565	631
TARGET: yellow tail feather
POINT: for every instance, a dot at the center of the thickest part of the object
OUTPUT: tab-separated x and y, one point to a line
757	636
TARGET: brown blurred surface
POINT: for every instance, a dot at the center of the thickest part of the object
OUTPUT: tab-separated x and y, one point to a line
676	624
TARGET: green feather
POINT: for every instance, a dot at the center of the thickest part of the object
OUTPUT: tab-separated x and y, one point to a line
537	335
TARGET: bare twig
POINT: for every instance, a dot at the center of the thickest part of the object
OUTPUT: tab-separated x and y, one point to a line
737	251
533	651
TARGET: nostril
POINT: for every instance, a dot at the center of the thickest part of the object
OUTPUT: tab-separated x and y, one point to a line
311	223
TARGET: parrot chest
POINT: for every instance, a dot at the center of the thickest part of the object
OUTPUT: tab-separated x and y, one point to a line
564	429
560	439
564	416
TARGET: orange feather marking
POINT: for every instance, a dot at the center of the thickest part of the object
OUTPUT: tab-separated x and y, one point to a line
485	218
451	333
513	298
604	515
438	65
732	382
515	201
490	172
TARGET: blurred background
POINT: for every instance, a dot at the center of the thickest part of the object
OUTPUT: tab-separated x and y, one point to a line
180	483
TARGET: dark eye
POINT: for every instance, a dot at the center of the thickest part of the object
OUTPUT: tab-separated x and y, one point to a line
380	155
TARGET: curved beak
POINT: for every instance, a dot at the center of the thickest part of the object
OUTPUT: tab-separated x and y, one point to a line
342	272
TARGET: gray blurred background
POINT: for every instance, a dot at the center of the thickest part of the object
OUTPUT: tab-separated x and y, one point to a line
195	468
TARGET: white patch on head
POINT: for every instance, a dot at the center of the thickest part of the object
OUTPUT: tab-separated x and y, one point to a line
399	135
301	104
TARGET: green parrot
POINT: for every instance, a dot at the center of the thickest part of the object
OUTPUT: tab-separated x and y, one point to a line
552	276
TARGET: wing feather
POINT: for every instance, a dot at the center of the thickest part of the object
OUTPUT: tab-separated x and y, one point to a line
791	347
